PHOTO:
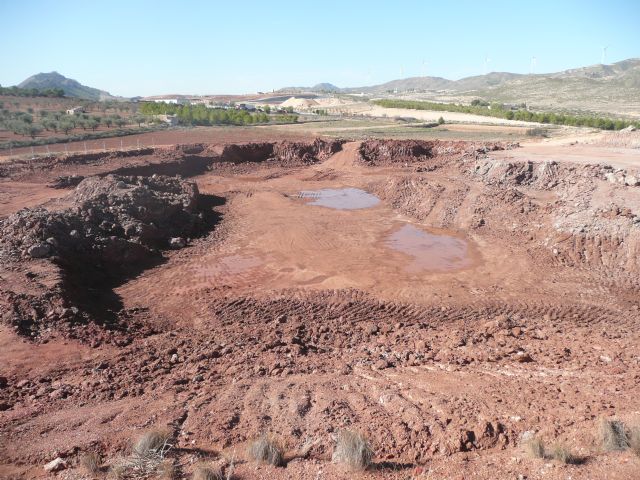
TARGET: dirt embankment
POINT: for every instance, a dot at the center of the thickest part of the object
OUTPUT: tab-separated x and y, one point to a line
595	215
285	153
185	160
590	213
390	152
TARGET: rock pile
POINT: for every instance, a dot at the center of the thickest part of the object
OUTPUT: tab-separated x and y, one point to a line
113	216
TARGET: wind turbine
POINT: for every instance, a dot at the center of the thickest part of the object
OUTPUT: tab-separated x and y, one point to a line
486	64
424	68
532	68
604	54
401	72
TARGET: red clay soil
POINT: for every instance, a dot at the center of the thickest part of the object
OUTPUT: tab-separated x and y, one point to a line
282	316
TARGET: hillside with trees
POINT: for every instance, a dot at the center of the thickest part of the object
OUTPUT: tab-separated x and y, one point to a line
70	87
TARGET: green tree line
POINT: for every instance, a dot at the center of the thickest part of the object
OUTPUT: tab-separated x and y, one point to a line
201	115
498	110
31	92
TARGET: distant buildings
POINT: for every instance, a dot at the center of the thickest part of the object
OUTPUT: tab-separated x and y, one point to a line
171	120
175	101
75	111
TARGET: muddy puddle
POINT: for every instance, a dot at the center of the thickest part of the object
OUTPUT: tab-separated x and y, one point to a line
230	265
429	251
340	198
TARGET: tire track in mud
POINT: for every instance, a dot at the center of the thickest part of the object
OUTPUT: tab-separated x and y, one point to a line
356	306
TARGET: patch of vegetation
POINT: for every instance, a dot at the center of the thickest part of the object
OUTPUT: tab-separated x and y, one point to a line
201	115
147	456
266	449
498	110
353	450
31	92
78	137
536	448
207	472
537	132
152	442
91	463
23	122
562	454
613	435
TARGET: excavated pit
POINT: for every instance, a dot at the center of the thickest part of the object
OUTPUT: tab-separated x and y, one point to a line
442	301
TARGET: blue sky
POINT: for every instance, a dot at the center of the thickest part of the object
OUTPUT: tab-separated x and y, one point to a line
139	47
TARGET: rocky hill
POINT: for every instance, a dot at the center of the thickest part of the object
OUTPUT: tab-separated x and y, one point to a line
72	88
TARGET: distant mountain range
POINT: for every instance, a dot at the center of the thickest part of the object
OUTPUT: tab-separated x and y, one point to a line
625	73
72	88
605	88
614	87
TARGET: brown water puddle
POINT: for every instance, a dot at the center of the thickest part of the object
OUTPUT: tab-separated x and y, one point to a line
429	251
340	198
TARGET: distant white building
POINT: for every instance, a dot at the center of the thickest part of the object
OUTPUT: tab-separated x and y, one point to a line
175	101
75	110
171	120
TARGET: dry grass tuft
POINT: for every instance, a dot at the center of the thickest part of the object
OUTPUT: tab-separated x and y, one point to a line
266	449
119	470
561	453
353	450
535	448
207	472
167	470
152	442
91	463
613	435
147	458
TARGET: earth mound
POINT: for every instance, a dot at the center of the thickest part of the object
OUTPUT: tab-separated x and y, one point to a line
115	226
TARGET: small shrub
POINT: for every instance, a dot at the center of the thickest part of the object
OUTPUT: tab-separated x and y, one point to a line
153	442
537	132
353	450
147	457
535	448
441	121
207	472
562	453
91	462
119	470
167	470
266	449
613	435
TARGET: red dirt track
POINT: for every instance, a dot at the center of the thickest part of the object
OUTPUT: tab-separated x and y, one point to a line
507	307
